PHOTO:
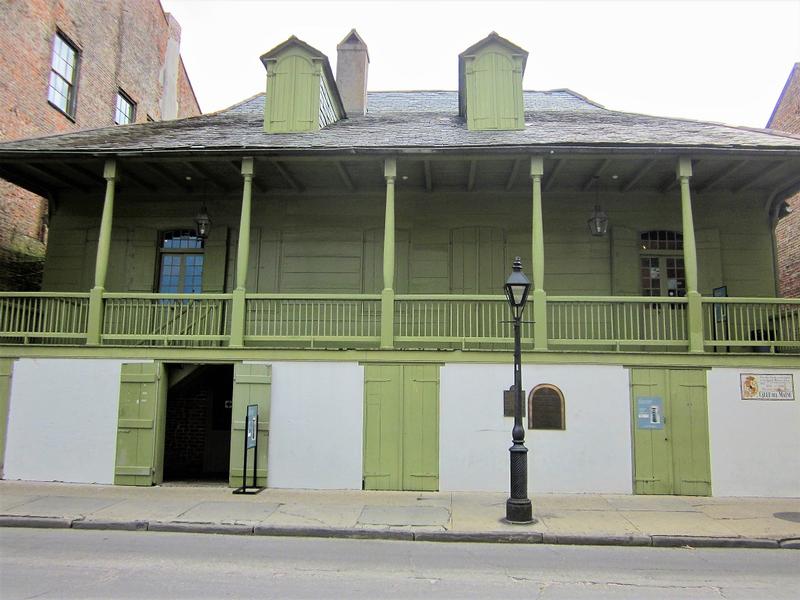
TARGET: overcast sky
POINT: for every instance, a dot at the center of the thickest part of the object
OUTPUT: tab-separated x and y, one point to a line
724	61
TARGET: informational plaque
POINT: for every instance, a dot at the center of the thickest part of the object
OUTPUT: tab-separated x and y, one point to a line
509	397
649	412
757	386
252	425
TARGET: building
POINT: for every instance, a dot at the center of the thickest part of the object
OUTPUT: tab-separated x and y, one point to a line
70	65
786	117
336	258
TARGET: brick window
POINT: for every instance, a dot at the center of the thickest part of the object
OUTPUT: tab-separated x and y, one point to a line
180	262
124	110
63	76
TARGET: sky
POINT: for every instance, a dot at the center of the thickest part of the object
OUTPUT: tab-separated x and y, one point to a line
722	61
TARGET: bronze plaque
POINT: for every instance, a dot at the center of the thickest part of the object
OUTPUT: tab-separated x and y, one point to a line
508	401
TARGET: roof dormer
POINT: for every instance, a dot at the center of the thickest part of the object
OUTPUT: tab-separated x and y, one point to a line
490	84
301	90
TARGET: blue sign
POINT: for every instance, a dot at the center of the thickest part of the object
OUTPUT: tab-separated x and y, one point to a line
252	425
650	412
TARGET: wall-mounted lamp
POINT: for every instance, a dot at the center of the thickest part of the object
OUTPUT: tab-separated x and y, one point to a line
598	222
203	222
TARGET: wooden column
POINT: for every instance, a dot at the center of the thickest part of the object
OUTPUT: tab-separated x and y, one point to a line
387	295
539	296
694	307
95	318
238	301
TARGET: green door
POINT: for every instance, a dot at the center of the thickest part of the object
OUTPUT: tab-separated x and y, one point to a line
670	432
140	428
251	385
401	427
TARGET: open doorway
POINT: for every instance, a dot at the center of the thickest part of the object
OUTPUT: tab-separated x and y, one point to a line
197	436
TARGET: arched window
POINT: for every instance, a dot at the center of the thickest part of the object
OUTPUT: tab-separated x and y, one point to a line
546	408
661	267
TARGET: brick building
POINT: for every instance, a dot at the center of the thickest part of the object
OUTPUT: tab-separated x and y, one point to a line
77	64
786	117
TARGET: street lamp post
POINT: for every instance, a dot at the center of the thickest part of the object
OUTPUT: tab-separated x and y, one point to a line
518	506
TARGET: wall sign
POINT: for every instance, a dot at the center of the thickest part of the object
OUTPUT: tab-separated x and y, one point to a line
755	386
252	425
649	412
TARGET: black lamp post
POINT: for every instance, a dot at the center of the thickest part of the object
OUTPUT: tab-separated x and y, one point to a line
518	506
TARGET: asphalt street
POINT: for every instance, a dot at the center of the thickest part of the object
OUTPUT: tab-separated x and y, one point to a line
52	563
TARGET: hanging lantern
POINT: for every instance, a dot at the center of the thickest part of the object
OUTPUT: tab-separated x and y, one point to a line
203	222
598	222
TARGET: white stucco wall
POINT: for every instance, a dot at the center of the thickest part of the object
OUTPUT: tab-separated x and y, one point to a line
62	423
316	425
754	444
593	454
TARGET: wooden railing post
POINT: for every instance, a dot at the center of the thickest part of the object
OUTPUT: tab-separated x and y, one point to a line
537	236
94	325
387	295
694	307
238	299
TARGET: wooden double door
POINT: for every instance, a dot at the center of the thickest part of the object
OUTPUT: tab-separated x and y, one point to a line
401	427
670	432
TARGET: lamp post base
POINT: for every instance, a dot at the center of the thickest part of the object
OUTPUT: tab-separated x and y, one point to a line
519	511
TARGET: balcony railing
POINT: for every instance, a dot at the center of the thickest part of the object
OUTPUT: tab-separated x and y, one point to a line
33	317
767	324
166	319
617	321
598	323
313	320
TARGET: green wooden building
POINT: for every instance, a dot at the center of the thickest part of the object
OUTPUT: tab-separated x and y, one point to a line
337	257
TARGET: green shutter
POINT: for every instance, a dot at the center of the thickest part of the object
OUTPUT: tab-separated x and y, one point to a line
494	92
625	262
216	251
142	250
709	260
293	91
140	428
690	445
477	260
5	394
421	427
251	385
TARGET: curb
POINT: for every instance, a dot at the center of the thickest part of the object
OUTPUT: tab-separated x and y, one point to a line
487	537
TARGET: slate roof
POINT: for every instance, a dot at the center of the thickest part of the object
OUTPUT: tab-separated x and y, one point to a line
400	121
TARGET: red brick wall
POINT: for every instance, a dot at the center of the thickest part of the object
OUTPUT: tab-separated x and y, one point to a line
786	117
122	44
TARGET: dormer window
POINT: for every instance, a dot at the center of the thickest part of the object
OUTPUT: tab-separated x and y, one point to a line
490	84
301	90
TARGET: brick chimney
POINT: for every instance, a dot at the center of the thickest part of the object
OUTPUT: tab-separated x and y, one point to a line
352	64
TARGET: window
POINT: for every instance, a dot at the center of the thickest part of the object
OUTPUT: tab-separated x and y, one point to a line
63	76
546	408
661	266
125	109
180	263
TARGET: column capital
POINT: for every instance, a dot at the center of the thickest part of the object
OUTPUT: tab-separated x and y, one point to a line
247	166
390	169
684	169
537	166
110	169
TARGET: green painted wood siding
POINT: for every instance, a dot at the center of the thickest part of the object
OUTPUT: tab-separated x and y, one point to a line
319	244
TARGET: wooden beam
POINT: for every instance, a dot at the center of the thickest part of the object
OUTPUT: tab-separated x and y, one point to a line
426	164
15	177
204	173
345	176
288	177
596	175
127	173
763	173
473	172
720	175
94	178
550	177
168	176
637	177
59	179
512	177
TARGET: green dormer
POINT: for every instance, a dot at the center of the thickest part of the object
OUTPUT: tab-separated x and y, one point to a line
490	84
301	90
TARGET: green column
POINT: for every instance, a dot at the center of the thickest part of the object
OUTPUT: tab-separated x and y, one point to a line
695	307
238	304
537	236
95	318
387	295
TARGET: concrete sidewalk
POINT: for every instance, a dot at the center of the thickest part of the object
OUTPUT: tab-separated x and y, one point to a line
424	516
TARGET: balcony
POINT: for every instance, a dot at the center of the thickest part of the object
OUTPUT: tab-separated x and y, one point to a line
577	323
